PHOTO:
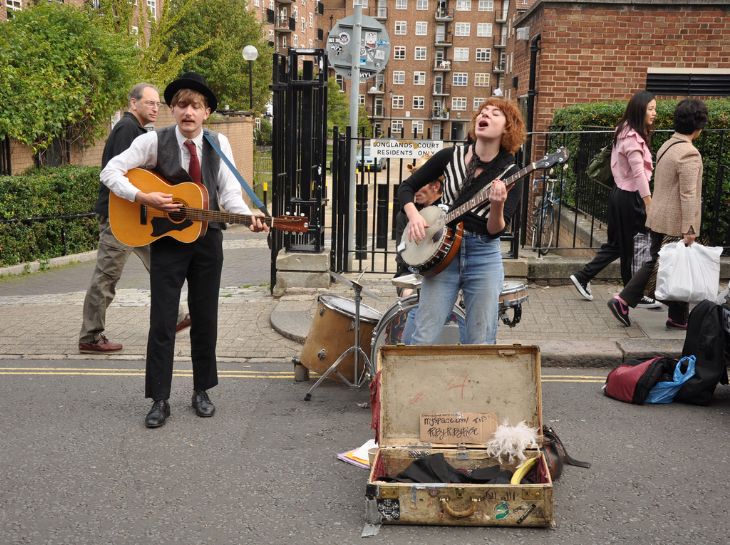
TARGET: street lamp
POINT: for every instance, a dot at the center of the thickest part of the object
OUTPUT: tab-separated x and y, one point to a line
250	53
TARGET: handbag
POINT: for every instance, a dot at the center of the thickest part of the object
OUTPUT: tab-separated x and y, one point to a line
599	168
688	273
665	391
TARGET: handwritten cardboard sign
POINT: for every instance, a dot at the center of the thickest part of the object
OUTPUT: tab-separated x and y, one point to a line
455	428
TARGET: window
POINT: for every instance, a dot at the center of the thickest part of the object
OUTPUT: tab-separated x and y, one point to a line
399	52
419	78
461	53
304	23
340	82
272	5
421	5
311	20
400	28
481	79
484	30
257	3
462	29
397	102
436	131
458	104
396	126
399	77
460	79
283	41
152	5
463	5
421	28
417	126
484	54
419	103
401	4
295	40
420	54
361	99
478	101
486	5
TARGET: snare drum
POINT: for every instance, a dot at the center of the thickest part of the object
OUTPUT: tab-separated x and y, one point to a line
512	296
333	331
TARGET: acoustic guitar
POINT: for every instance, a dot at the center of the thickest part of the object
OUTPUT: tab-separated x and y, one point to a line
136	224
433	254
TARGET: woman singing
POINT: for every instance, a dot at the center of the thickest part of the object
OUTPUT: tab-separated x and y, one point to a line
497	131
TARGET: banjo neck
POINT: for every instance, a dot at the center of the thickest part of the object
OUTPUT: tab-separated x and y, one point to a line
483	194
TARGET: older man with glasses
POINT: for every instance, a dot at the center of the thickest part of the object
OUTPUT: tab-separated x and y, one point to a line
112	255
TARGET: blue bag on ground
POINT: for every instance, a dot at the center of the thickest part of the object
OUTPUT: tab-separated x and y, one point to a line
664	392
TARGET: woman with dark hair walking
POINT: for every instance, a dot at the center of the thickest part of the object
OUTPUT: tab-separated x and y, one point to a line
630	198
677	210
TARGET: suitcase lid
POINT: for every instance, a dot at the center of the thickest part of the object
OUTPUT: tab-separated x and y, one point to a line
418	380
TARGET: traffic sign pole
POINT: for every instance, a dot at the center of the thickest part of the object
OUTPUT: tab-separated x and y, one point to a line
354	109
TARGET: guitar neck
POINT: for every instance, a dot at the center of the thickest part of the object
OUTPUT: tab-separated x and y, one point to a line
483	194
198	214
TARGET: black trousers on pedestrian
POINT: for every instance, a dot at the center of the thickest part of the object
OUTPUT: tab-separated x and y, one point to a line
171	263
634	289
626	217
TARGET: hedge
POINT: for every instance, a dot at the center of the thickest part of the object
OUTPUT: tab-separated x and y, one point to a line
713	144
50	194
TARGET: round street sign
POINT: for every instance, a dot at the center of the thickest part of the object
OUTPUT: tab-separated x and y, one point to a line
374	47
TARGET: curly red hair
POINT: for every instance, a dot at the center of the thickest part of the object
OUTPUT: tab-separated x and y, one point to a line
515	133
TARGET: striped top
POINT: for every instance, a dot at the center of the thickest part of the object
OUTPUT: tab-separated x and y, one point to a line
451	163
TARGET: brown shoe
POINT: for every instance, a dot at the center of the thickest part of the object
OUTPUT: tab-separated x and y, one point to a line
102	345
182	324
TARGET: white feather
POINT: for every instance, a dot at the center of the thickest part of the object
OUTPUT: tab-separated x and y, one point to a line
510	442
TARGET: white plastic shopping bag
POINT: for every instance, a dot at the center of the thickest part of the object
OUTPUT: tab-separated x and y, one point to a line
688	273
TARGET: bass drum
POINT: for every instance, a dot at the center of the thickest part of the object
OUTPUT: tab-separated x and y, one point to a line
392	325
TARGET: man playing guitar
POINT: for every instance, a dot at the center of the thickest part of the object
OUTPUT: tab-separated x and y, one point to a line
497	131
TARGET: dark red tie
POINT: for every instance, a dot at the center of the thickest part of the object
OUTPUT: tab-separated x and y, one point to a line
194	167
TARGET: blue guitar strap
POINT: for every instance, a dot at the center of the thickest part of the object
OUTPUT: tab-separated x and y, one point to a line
254	199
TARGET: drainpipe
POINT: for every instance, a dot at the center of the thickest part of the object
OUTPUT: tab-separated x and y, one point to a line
534	49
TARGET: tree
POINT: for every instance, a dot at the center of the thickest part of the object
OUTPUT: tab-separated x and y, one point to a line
61	75
229	27
338	111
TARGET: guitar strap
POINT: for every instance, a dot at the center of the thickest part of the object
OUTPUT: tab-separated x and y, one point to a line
254	198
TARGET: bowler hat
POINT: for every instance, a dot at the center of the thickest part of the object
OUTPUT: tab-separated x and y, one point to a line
195	82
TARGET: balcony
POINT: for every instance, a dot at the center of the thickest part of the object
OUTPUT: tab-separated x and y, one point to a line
500	44
498	68
500	19
443	40
376	89
378	112
443	14
284	1
440	114
442	66
382	13
441	89
285	24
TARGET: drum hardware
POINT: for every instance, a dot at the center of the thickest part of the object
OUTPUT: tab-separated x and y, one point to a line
359	377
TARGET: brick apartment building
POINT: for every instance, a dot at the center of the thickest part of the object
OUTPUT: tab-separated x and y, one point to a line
599	50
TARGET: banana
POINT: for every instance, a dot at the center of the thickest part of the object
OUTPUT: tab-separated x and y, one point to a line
522	470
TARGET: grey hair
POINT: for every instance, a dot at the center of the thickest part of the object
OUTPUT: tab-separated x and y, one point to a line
136	91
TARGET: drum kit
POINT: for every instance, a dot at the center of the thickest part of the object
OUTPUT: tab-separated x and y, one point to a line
345	334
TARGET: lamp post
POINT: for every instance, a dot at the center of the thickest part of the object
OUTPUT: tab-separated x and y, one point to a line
250	53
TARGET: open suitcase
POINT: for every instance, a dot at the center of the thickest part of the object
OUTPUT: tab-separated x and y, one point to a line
413	381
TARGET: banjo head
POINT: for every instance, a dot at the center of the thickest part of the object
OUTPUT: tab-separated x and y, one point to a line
417	254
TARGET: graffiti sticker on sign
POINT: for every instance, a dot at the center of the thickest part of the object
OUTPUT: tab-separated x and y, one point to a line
405	149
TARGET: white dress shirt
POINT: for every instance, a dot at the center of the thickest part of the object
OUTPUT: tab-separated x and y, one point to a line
143	154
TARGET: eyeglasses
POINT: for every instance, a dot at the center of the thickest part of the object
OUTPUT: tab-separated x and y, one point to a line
152	103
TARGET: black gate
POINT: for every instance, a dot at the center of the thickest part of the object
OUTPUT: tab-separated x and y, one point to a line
299	144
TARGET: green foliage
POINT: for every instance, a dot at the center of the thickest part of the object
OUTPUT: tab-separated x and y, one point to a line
338	111
227	26
262	135
47	193
61	75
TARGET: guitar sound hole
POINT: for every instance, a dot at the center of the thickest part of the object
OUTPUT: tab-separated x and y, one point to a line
179	215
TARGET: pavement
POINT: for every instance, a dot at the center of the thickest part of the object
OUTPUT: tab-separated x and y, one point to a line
42	314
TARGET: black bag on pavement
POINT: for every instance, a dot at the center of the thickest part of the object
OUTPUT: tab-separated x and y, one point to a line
706	341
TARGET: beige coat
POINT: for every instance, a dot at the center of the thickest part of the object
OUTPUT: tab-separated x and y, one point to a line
677	201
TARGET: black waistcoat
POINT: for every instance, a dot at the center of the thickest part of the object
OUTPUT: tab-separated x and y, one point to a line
168	166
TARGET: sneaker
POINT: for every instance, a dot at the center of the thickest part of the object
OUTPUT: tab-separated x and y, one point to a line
648	302
620	311
671	324
583	289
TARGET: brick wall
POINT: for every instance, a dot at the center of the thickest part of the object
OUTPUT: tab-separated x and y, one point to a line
601	51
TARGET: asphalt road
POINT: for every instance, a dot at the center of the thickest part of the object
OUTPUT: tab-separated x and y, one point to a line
78	466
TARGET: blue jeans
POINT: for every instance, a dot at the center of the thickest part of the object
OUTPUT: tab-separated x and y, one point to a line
477	271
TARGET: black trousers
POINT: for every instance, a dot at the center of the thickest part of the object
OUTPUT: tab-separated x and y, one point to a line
626	217
634	289
171	263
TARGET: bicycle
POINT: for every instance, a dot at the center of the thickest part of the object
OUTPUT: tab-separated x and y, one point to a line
543	215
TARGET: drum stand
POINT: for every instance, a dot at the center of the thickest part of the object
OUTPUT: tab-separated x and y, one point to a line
358	379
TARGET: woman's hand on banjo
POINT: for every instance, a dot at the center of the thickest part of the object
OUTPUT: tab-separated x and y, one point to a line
416	223
497	192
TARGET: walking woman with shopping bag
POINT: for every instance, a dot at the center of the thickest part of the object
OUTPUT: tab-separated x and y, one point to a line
676	209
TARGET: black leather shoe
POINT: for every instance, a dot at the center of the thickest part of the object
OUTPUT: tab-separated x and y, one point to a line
202	404
158	414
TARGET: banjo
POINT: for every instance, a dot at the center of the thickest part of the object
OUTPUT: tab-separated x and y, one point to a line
434	253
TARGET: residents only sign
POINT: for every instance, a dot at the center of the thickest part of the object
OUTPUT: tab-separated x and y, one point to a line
385	148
